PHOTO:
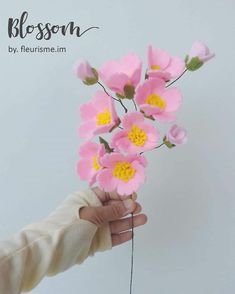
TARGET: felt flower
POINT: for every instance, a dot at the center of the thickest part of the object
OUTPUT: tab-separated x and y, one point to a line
157	101
137	135
88	166
98	116
121	173
198	55
161	64
85	72
176	135
122	75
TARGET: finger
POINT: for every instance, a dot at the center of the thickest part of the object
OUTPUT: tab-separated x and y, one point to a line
103	196
118	239
137	209
126	223
103	214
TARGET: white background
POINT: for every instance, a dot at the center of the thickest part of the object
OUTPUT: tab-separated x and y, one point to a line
188	244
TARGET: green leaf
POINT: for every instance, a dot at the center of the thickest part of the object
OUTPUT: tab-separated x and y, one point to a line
129	91
120	96
106	145
167	143
89	81
194	64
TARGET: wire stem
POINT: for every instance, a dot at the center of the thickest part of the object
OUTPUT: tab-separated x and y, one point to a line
118	100
134	104
132	253
177	78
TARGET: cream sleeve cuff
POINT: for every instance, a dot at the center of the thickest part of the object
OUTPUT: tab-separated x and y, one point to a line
51	245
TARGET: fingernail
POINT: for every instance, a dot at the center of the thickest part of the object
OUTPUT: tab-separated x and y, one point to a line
128	203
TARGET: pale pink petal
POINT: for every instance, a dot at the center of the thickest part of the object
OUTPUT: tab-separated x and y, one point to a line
103	128
116	137
101	101
132	118
160	58
109	159
137	157
150	109
117	81
198	48
84	169
108	69
106	181
88	149
176	67
172	98
164	75
207	57
87	111
86	129
164	117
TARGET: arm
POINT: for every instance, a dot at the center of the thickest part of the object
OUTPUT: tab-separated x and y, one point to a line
85	222
52	245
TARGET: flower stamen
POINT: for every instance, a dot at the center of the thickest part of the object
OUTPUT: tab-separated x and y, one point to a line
137	136
155	100
103	118
123	171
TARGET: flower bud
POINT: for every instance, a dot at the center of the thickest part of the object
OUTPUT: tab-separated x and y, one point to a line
197	56
86	73
175	136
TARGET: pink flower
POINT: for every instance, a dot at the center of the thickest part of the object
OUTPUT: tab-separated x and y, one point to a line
116	75
176	135
137	135
123	174
162	65
88	166
157	101
201	51
98	116
85	72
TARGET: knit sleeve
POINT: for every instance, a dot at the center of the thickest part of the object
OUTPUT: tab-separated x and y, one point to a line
51	245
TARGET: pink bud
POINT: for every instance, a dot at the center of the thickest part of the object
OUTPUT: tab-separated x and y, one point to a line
201	51
83	70
176	135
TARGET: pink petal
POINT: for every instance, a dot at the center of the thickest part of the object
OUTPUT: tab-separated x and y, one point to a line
160	58
88	149
106	181
172	98
164	117
132	118
84	169
87	111
86	129
101	101
109	160
176	67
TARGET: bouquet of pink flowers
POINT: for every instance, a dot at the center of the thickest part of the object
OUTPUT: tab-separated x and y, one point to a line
118	164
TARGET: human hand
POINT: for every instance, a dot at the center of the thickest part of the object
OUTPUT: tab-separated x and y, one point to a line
113	210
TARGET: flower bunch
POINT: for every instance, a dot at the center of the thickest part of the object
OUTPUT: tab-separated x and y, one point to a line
118	164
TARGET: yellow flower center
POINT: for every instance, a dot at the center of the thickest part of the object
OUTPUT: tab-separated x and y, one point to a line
103	118
155	67
95	163
155	100
123	171
137	136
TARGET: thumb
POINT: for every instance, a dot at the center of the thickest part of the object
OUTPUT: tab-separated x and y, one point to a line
103	214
